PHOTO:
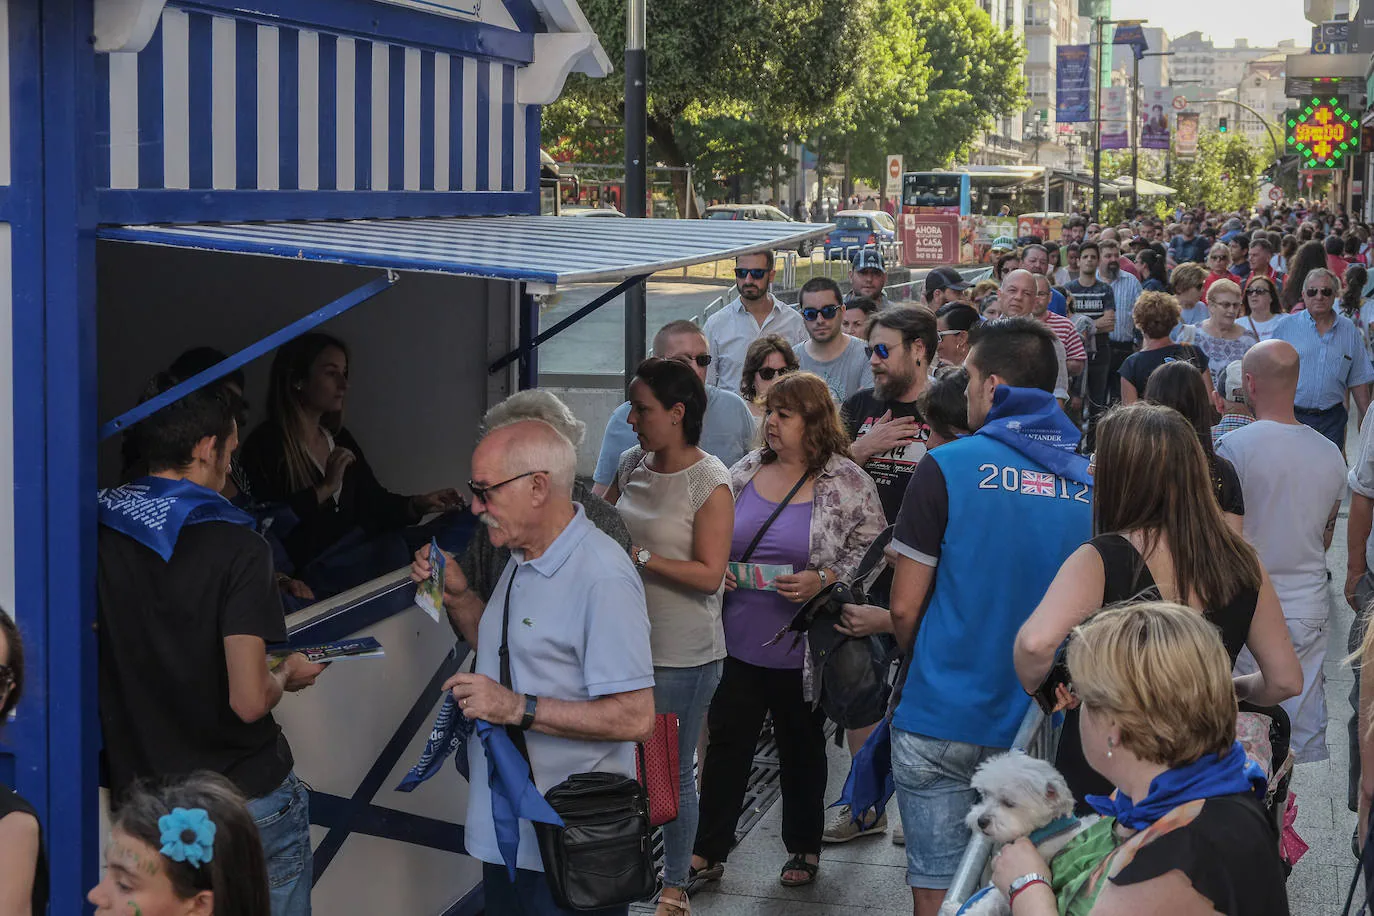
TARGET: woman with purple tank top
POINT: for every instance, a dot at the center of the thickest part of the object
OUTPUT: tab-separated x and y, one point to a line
830	515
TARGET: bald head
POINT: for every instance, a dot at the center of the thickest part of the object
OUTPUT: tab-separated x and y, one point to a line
525	446
1018	293
1270	370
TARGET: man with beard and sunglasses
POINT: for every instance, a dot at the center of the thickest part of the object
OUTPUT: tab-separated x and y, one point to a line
730	331
728	429
836	357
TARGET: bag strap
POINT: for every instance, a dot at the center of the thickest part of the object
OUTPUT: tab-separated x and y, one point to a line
758	536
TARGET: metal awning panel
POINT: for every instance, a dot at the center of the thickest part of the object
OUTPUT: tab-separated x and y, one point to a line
539	249
1147	188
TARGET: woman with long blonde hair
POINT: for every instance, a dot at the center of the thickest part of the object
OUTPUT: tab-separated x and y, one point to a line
1160	533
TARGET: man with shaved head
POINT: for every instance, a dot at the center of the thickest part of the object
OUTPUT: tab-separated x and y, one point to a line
1293	480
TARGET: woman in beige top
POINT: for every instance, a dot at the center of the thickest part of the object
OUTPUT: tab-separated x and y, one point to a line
676	502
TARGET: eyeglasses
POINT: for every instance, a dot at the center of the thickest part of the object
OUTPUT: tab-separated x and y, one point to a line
767	372
943	334
881	349
829	311
480	492
1325	292
702	359
1219	257
1257	291
754	273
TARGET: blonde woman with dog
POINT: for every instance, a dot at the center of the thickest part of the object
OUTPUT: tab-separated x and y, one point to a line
1160	534
1159	724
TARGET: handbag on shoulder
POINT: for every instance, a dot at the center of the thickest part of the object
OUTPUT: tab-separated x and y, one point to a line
603	854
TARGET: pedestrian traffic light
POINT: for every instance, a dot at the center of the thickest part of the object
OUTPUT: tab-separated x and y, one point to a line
1221	125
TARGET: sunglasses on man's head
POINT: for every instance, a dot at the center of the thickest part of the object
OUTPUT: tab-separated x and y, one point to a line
767	373
1325	292
703	360
829	311
882	350
755	273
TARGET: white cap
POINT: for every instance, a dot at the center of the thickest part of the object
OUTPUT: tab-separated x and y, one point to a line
1233	383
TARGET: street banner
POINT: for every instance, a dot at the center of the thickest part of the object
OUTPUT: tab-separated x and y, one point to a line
892	178
1185	144
1155	106
1073	84
930	239
1115	121
1132	34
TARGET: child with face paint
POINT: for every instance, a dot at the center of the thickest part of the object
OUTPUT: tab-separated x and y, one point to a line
187	848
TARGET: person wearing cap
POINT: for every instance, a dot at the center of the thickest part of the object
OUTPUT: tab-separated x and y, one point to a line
1230	402
944	284
756	312
868	276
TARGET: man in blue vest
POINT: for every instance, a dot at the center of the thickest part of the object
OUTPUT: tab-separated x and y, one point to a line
1017	473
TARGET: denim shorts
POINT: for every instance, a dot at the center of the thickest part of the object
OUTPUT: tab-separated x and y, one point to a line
934	797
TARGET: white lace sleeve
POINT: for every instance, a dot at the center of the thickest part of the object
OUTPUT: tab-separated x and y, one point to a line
703	478
628	462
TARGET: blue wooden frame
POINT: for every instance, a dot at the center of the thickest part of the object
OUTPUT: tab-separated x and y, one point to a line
142	207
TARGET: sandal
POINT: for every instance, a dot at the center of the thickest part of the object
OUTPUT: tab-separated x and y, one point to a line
711	872
673	906
798	863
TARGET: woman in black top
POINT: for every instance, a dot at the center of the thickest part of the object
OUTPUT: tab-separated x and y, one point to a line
1181	386
1156	315
1158	721
1159	535
303	457
23	867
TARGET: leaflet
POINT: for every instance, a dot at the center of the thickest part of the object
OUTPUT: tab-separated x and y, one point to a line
759	576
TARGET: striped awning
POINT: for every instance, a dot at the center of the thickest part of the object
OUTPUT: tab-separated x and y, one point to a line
539	249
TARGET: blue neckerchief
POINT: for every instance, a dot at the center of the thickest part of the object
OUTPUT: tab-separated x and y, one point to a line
513	793
1032	422
1054	828
870	785
153	510
1210	776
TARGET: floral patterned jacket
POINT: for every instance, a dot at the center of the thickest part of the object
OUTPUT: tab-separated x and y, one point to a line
846	514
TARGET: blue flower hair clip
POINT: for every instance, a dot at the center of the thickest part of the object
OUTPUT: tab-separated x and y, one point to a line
188	835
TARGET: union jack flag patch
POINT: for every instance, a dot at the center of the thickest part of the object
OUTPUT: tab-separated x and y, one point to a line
1036	483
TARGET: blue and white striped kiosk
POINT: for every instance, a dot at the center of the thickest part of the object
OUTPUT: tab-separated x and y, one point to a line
194	172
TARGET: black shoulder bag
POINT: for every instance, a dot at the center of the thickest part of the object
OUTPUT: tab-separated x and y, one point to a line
602	855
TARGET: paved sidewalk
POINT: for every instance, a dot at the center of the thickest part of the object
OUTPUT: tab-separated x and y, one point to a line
869	874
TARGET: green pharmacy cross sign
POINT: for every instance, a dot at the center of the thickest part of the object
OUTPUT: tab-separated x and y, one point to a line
1322	133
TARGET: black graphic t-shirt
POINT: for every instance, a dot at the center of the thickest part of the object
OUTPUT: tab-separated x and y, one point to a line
891	470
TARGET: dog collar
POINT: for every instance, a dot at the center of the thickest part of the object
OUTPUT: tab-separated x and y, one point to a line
1053	829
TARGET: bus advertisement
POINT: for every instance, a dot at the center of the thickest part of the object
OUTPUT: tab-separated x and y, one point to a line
984	198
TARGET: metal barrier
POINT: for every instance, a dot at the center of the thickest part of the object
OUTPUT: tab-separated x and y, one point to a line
1034	737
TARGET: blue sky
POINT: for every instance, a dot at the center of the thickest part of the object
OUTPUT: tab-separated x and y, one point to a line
1264	22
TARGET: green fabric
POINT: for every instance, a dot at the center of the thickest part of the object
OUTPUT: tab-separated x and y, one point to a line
1074	865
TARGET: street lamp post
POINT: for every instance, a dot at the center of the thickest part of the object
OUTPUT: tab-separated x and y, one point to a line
636	172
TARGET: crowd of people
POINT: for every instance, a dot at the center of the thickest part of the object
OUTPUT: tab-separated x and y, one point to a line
1084	467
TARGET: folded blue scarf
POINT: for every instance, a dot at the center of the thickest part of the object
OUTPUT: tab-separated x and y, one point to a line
1211	776
870	784
153	510
1032	422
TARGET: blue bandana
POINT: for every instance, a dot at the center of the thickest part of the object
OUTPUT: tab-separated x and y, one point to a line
1210	776
1031	422
153	510
870	783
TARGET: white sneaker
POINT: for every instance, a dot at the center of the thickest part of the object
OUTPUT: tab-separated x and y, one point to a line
841	828
898	833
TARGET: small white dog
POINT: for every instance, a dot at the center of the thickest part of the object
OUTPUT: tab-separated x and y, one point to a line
1020	796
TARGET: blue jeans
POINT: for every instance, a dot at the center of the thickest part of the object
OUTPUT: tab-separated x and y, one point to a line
527	895
1330	422
685	692
283	819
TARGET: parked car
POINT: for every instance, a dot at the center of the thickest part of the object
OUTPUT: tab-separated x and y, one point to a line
855	229
757	212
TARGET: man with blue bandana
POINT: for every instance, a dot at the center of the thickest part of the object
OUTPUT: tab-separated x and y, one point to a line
961	702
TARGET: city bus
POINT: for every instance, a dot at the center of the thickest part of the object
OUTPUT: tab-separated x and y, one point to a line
986	200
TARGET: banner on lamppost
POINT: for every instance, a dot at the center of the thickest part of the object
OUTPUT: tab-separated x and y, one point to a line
1073	84
1115	119
1185	144
1155	105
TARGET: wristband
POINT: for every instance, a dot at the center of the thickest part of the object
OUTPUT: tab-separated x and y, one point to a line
1023	882
531	702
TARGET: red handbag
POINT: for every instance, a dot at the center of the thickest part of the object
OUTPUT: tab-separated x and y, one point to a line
657	762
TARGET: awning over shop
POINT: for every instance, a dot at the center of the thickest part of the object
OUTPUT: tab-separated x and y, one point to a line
1147	188
555	250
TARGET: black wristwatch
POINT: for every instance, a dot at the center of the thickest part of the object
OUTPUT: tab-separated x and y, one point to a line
530	703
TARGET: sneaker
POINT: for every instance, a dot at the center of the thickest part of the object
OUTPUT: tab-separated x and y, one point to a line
898	834
841	827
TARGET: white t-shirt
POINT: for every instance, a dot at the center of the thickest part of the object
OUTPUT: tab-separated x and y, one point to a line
1291	476
1263	329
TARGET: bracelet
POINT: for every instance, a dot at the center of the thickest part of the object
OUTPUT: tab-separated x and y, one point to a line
1021	884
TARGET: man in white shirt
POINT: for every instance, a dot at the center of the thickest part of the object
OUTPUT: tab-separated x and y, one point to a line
1290	518
730	331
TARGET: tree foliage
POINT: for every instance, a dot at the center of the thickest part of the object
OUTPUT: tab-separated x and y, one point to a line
1224	176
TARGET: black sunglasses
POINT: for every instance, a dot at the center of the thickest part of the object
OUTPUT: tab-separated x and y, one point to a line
703	360
881	349
767	372
829	311
756	273
480	492
1324	291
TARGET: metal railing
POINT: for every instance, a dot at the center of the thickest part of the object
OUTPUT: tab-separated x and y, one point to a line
1035	737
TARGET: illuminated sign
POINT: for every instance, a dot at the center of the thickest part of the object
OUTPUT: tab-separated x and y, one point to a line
1322	133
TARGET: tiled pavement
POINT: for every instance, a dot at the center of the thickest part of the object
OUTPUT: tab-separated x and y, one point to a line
869	874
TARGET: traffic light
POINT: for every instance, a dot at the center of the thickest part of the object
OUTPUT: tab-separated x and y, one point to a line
1221	125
